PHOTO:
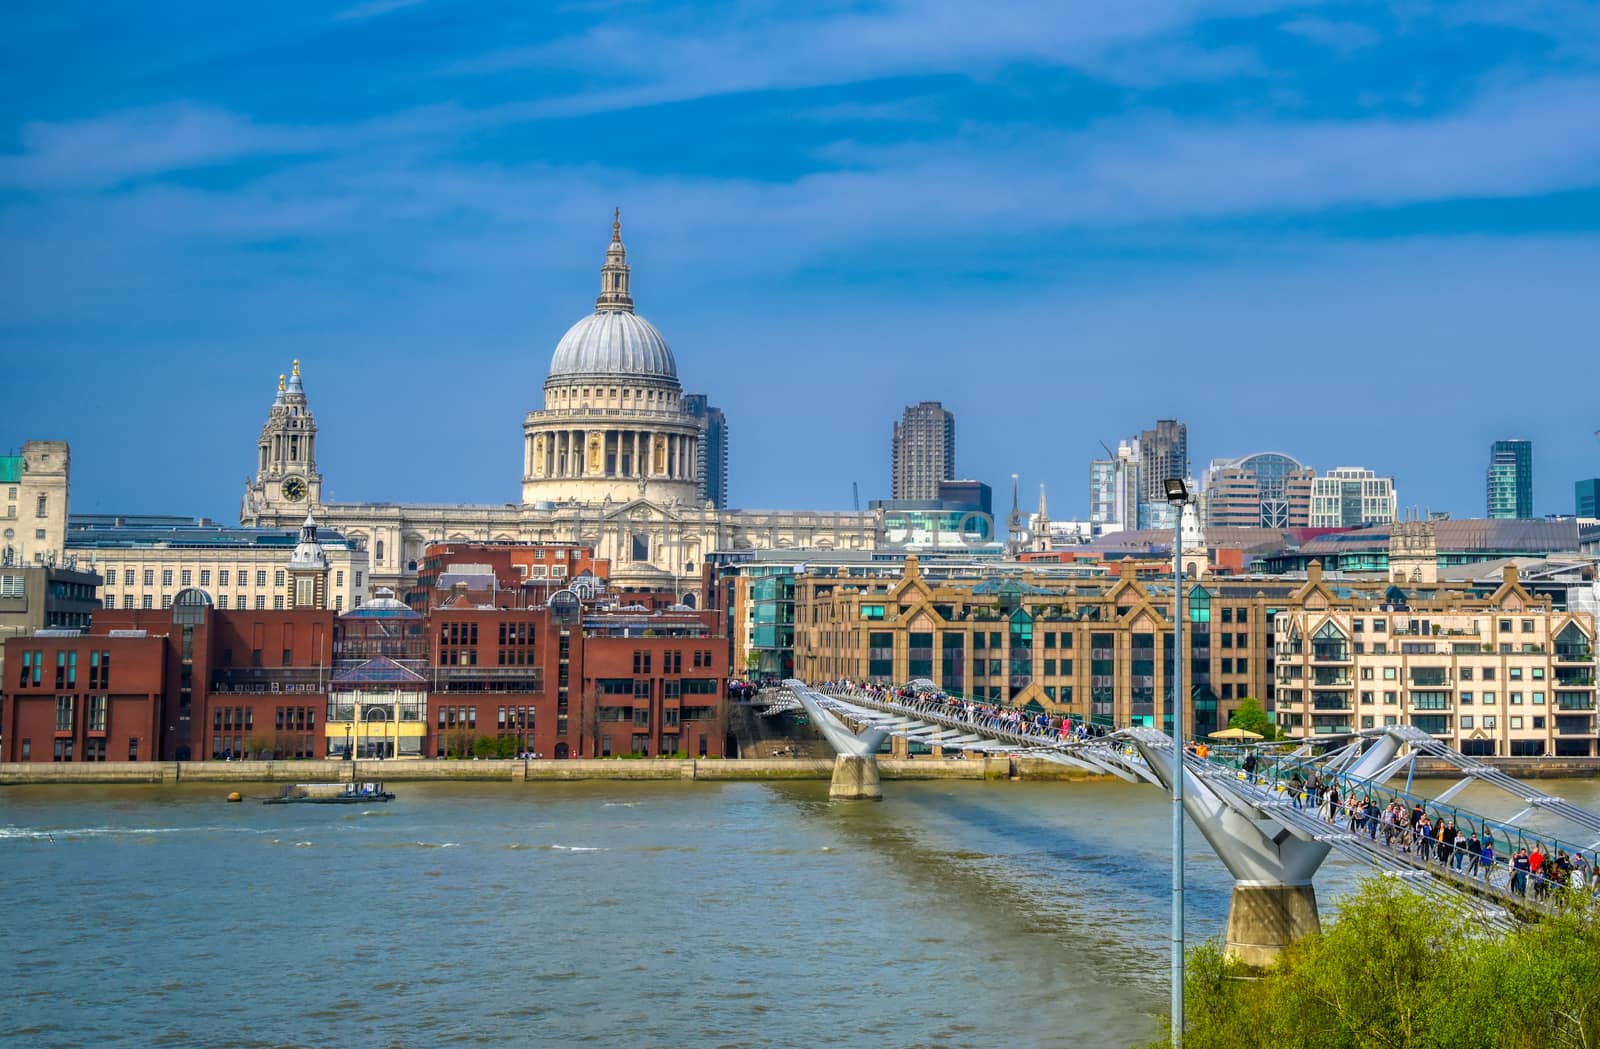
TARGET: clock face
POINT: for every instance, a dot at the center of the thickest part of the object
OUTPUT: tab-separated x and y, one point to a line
294	489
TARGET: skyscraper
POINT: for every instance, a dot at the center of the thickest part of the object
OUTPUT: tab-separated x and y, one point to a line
711	454
1587	494
1510	484
1114	490
1268	489
924	451
1163	454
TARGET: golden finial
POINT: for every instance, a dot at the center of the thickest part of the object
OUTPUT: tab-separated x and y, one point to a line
280	383
616	226
297	367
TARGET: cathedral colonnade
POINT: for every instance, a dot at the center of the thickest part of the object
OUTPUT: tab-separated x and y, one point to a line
563	452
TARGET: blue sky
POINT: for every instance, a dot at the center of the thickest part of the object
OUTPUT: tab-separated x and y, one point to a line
1361	234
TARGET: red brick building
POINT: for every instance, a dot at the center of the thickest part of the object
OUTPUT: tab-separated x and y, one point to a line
84	698
243	682
654	683
194	682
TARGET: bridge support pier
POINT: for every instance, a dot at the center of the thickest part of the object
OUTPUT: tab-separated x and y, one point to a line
855	778
1264	919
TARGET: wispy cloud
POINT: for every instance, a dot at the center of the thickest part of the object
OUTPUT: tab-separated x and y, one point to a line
374	8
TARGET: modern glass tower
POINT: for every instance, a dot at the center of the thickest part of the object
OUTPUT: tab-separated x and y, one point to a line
1588	497
1510	486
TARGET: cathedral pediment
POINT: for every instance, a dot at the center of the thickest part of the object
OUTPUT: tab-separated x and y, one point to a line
642	511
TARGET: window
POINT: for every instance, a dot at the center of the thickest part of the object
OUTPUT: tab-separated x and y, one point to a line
261	577
166	577
1466	699
1488	673
1466	721
1389	699
187	577
149	577
1466	673
1516	722
97	715
1489	698
1488	721
146	601
277	578
261	602
205	577
222	577
1516	673
1516	699
64	714
42	508
1527	626
127	577
338	578
1538	699
1505	626
1366	673
1389	673
1366	700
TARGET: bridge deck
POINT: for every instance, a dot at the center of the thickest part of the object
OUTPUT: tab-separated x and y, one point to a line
1489	891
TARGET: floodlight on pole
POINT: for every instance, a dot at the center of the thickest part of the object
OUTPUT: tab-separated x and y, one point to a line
1178	496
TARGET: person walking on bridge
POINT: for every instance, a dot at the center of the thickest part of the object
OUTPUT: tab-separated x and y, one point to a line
1474	855
1519	873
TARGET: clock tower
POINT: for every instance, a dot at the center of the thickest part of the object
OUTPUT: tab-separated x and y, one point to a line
286	480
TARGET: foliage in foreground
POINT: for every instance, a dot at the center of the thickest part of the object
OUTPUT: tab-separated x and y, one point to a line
1397	971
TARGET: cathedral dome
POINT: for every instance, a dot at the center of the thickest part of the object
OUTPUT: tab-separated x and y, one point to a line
614	344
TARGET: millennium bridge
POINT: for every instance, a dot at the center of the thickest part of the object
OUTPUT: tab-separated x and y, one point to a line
1257	822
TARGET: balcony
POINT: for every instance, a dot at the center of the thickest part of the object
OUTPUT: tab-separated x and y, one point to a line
1575	726
1574	653
1340	701
489	679
1330	652
1584	701
1574	677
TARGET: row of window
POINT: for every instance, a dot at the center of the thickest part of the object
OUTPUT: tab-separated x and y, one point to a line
31	671
1429	699
148	601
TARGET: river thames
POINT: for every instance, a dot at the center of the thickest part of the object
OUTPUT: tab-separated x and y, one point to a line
661	914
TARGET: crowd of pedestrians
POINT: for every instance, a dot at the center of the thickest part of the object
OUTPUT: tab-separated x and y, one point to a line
989	716
1435	839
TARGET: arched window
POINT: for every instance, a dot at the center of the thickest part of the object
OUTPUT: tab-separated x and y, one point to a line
1199	605
380	552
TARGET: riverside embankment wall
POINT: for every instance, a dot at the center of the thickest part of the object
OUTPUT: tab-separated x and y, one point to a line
717	769
714	769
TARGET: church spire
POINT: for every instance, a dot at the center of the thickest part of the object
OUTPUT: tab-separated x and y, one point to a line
614	293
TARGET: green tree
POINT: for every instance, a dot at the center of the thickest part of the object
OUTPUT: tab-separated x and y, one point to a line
1253	718
1398	969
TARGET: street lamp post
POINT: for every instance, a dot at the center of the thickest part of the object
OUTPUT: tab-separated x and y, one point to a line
1178	496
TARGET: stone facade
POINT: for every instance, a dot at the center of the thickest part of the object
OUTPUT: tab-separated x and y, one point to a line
34	484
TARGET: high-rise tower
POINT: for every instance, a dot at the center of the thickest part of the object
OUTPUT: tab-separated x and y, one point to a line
924	451
711	452
1510	480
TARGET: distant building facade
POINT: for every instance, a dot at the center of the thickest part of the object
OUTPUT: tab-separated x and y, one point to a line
145	561
1510	479
1351	497
1586	497
711	453
924	451
35	486
1163	454
1114	490
1265	490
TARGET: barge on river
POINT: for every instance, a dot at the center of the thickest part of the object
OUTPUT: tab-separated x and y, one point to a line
331	794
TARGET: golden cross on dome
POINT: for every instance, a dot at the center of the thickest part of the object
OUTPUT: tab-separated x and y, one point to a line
280	383
297	366
616	226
